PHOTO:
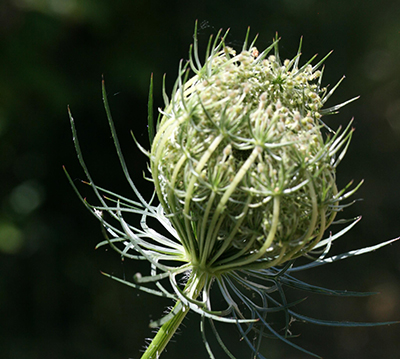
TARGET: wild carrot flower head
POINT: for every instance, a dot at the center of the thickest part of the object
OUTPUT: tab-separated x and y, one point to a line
245	173
240	163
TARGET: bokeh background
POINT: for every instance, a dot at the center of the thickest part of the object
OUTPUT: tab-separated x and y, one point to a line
54	303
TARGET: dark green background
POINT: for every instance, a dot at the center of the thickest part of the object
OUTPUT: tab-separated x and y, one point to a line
53	301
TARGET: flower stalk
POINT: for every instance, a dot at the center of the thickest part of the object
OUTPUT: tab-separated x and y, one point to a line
194	285
165	333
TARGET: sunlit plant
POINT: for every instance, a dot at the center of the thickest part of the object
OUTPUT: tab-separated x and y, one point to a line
244	172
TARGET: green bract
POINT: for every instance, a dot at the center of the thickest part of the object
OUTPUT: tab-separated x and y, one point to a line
244	170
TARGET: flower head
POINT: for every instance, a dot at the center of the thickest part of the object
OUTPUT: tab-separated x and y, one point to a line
240	163
245	173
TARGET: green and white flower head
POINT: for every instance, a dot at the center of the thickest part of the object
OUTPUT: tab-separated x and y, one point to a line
245	173
239	161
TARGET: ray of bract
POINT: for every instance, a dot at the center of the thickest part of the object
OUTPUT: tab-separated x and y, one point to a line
118	148
339	257
331	323
140	287
199	307
151	255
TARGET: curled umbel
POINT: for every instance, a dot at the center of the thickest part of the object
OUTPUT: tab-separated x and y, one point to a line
240	162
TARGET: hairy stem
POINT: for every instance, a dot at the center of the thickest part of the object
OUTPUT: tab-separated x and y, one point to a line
165	333
193	287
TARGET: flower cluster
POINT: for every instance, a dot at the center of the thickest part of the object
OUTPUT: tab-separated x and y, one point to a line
240	163
244	170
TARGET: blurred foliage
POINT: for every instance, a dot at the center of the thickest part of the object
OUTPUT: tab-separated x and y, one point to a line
53	301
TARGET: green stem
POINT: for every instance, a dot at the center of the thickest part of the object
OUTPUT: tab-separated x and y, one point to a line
165	334
193	287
